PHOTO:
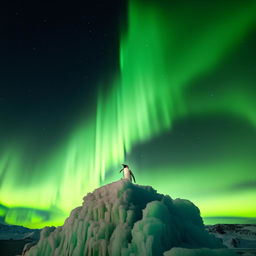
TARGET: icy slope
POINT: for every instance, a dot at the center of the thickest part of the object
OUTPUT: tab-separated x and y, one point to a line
122	218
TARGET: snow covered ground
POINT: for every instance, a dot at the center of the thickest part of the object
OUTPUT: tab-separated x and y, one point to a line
14	238
12	232
239	237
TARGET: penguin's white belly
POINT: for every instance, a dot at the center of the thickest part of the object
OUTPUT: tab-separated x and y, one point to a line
127	174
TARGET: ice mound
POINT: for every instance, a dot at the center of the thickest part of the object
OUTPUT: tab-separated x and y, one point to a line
122	218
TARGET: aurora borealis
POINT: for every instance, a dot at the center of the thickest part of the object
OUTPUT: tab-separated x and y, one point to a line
180	111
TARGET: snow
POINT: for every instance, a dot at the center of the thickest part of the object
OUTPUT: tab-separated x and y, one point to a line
8	232
235	235
199	252
123	218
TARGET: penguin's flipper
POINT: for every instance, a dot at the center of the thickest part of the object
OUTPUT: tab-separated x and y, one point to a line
121	170
133	176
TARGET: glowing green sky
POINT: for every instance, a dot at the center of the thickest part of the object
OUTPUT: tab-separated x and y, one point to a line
181	113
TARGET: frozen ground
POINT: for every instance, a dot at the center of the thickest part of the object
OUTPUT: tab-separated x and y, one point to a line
240	238
12	232
13	239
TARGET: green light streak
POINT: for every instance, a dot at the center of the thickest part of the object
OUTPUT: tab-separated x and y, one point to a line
161	56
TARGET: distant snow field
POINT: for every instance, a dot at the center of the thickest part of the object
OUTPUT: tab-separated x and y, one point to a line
241	238
13	232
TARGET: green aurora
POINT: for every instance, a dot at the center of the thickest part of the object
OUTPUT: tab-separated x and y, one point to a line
168	61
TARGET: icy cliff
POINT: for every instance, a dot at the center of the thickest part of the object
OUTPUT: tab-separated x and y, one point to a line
122	218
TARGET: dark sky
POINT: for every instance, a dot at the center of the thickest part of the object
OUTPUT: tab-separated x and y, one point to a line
53	55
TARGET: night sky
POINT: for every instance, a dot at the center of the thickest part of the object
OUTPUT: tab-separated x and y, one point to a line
167	87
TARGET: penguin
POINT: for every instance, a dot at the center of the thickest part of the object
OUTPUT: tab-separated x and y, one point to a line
127	173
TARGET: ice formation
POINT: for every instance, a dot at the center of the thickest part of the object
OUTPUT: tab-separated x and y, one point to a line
124	219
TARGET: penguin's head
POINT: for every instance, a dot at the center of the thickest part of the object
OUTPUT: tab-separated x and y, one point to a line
125	165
